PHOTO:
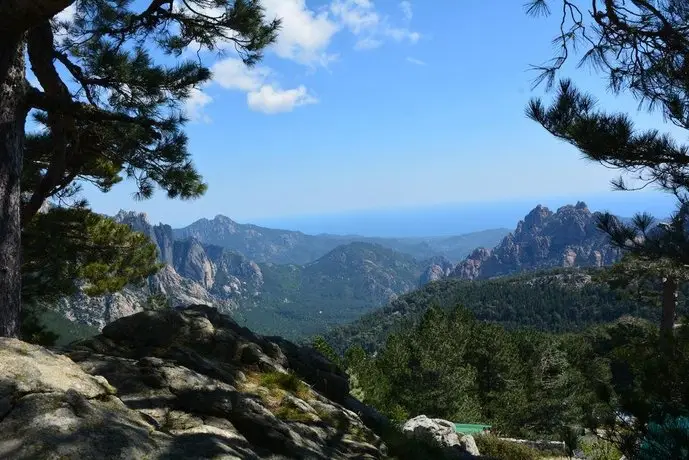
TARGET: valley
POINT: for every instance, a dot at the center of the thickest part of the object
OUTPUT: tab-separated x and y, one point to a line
295	285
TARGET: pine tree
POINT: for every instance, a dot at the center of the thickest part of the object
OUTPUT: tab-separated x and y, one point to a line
107	108
643	47
85	251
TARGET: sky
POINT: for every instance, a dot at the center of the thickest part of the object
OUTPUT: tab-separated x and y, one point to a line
369	106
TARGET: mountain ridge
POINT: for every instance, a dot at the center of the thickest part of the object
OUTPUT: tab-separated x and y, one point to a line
263	244
568	237
338	285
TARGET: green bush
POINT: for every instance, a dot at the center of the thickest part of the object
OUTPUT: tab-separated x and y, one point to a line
293	414
288	382
494	447
599	449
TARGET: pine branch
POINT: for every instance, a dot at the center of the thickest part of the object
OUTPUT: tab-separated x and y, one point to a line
39	100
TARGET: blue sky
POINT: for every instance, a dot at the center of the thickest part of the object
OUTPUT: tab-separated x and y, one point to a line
380	104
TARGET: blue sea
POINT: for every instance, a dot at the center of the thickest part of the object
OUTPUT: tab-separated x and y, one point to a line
459	218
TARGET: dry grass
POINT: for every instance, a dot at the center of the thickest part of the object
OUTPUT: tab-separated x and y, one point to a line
272	387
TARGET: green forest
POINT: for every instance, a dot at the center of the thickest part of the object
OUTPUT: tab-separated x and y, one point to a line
559	300
616	379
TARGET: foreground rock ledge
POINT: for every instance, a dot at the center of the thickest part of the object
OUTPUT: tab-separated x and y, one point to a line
182	383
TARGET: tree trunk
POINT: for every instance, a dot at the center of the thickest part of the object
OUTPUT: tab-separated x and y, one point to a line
667	321
12	119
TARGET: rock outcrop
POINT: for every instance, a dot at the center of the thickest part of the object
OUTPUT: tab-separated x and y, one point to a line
177	384
437	268
443	433
192	273
544	239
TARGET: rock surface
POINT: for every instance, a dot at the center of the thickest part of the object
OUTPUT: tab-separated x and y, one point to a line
443	433
437	269
358	275
193	273
177	384
544	239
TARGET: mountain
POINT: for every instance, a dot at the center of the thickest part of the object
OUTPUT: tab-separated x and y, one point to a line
291	247
339	287
556	300
568	237
233	267
286	299
193	274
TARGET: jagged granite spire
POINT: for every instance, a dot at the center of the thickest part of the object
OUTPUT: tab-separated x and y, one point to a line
568	237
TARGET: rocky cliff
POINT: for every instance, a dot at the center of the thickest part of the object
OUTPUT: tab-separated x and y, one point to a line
568	237
178	384
192	273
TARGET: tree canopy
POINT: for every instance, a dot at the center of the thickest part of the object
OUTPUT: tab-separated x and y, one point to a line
110	83
643	48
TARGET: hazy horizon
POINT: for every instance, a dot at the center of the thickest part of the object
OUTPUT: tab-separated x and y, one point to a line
446	219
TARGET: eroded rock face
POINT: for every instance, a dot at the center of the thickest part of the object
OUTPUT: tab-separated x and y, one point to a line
193	273
544	239
177	384
437	269
443	433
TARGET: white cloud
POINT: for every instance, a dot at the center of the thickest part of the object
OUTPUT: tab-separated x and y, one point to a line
305	35
359	16
415	61
401	34
262	96
406	8
232	73
194	106
271	100
367	43
361	19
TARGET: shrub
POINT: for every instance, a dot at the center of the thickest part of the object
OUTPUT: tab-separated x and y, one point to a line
599	449
288	382
494	447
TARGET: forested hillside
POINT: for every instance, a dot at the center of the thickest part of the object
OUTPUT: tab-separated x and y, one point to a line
557	301
298	301
525	383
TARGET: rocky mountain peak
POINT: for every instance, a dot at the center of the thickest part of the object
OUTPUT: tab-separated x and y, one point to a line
436	268
536	217
137	220
581	205
568	237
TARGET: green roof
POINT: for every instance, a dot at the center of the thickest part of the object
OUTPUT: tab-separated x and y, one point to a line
469	428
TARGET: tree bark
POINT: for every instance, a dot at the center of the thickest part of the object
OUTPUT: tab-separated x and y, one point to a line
667	321
12	118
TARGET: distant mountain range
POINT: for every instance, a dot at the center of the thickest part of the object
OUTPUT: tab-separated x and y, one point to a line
277	281
263	244
293	284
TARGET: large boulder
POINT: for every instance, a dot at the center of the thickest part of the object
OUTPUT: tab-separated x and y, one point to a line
443	433
175	384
